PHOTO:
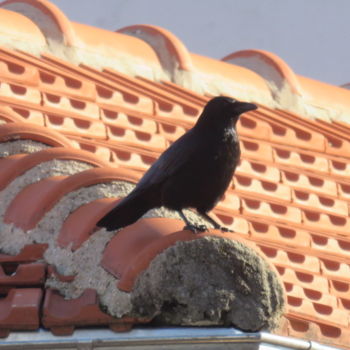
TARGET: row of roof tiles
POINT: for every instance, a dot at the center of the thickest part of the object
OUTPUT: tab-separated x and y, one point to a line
313	260
155	53
296	168
315	278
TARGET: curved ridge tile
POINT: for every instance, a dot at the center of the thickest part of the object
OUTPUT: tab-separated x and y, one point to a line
123	247
20	165
171	51
44	194
51	21
15	131
268	65
8	115
80	224
17	30
142	256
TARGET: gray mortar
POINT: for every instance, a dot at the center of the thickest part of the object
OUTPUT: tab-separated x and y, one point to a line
210	281
20	146
13	239
43	170
84	263
192	283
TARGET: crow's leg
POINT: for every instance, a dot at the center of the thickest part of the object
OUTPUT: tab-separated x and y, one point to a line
214	223
190	226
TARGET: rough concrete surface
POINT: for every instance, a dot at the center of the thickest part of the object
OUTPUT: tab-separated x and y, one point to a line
20	146
210	281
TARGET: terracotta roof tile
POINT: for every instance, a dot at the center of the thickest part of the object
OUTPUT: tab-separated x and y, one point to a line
113	101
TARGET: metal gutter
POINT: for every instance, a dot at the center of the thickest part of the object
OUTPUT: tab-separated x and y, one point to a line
157	338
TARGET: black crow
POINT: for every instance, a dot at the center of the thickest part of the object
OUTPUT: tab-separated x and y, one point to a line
194	172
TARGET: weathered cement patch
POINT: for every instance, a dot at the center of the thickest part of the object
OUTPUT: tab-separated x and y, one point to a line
20	146
210	281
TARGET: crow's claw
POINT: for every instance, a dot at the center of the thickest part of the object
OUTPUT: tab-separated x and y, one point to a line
225	229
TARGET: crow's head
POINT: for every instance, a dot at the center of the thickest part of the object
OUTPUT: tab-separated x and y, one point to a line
223	110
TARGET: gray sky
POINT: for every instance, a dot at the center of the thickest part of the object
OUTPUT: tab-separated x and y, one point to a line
312	36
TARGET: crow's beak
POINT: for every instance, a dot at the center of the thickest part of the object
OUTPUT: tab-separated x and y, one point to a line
242	107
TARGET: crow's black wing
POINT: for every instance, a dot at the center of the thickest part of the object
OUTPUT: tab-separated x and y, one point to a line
173	159
145	195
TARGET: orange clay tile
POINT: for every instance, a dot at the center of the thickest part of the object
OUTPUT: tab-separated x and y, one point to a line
252	127
101	151
132	121
323	222
259	170
123	248
19	92
323	203
280	212
126	156
164	43
336	146
289	131
49	78
19	310
17	70
336	270
75	126
297	179
155	142
248	80
315	311
305	160
328	244
110	90
80	224
144	255
18	27
255	150
236	223
300	261
343	190
305	280
311	295
63	28
298	328
28	115
339	288
283	235
341	168
18	164
262	188
29	253
170	131
9	116
130	252
267	65
16	131
290	196
167	104
114	44
23	275
75	106
62	316
44	194
230	203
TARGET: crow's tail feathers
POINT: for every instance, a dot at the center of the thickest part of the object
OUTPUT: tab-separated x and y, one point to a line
126	212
